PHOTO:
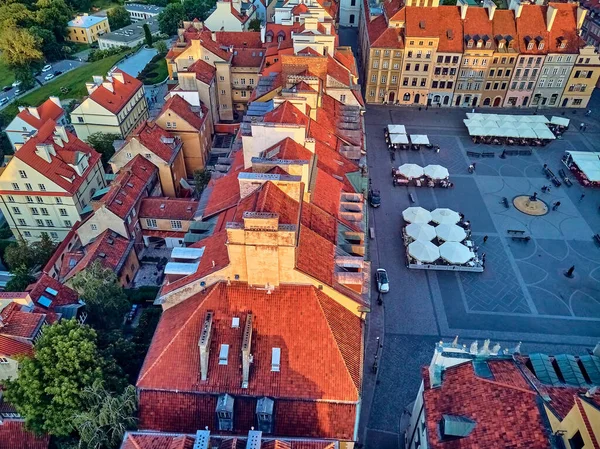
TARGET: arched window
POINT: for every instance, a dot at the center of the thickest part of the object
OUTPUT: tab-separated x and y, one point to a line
269	36
280	37
487	102
406	97
436	99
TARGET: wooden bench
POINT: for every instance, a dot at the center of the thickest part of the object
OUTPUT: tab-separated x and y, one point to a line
515	231
525	238
473	154
525	152
371	233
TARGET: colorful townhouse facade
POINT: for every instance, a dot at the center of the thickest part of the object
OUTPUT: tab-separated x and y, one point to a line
520	57
86	29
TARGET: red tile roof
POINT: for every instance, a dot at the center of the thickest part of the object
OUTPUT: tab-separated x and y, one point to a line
48	110
331	372
248	57
300	8
130	185
270	198
20	324
10	347
531	24
203	70
319	221
65	295
58	169
326	193
422	22
289	149
14	436
286	113
315	256
345	56
497	406
122	92
450	27
109	248
504	25
160	142
191	114
564	28
478	23
224	192
168	208
338	71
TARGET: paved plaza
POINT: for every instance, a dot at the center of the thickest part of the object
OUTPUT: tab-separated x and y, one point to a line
522	294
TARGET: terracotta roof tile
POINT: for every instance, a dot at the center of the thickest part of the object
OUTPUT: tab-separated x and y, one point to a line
247	57
58	169
13	435
65	296
121	94
270	198
564	28
327	192
286	113
504	24
422	22
168	208
48	110
109	248
530	25
319	221
193	115
450	30
345	56
332	372
203	70
478	23
315	256
20	324
289	149
160	142
224	192
10	347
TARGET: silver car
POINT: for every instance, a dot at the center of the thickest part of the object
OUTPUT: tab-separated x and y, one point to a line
383	284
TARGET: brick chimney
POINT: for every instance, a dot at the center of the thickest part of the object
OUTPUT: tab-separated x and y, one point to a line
204	344
581	13
463	8
246	345
550	16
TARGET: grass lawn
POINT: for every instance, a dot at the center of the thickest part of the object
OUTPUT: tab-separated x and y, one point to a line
98	5
6	75
161	72
74	80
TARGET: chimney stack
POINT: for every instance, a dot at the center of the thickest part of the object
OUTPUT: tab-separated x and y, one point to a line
33	111
550	16
463	8
246	345
581	13
596	350
61	132
204	344
491	7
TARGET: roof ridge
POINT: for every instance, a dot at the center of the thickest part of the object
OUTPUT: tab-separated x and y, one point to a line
337	342
502	384
586	421
181	328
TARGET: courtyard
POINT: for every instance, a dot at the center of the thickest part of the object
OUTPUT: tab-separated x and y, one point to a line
522	294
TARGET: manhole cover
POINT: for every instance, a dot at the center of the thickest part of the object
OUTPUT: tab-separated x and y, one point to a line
530	205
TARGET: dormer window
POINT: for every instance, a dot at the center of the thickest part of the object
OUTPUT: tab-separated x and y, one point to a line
541	46
530	46
470	43
500	45
479	43
488	44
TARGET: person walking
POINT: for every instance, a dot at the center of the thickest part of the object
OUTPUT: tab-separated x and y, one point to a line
485	237
581	127
555	206
582	196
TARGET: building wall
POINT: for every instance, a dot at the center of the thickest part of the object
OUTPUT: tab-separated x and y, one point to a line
222	19
17	127
525	75
553	79
383	75
102	220
498	78
129	270
87	35
8	370
471	76
147	223
349	13
244	80
62	209
583	79
571	424
443	79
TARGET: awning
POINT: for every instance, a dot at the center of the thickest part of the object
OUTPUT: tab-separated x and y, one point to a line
477	130
424	251
436	172
560	121
410	170
450	233
398	139
396	129
455	253
545	134
588	162
419	139
416	214
420	231
443	215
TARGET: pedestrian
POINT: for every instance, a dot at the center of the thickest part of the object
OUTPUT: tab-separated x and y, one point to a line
485	237
588	113
555	206
582	196
584	128
581	126
544	188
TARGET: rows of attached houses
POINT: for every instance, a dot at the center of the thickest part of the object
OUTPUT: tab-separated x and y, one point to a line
266	288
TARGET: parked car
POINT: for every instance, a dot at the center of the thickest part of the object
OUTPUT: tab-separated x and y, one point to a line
383	284
131	313
3	101
6	88
17	83
374	197
46	68
18	92
49	76
57	72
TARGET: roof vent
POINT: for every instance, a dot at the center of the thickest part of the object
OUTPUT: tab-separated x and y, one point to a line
235	322
450	34
254	439
202	439
223	354
204	344
275	359
162	206
110	241
453	427
422	24
103	255
119	202
246	345
189	208
129	184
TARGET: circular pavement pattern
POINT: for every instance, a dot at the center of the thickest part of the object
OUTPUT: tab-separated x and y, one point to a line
525	204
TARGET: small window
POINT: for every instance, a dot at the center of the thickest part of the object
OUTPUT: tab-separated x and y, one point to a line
22	174
10	199
42	187
3	361
44	211
63	212
21	222
151	223
93	227
176	224
576	441
28	186
49	223
16	211
54	235
15	186
26	233
68	223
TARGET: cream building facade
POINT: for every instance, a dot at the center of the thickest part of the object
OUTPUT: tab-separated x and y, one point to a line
87	29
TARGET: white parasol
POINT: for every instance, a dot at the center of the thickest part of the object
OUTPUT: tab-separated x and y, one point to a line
455	253
443	215
424	251
410	170
416	214
399	139
436	172
420	231
450	233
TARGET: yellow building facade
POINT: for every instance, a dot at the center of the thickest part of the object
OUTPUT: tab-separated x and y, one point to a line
86	29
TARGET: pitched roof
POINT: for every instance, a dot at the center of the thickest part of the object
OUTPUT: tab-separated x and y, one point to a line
345	56
160	142
121	92
13	435
109	248
504	24
315	256
65	295
270	198
168	208
10	347
17	323
286	113
193	115
248	57
48	110
497	406
276	324
531	24
478	23
288	149
203	70
564	28
129	186
422	22
224	192
450	28
60	166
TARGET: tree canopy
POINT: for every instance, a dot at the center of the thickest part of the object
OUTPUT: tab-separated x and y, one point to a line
29	255
201	180
254	25
22	277
118	17
105	300
50	387
19	47
197	9
103	144
171	17
147	35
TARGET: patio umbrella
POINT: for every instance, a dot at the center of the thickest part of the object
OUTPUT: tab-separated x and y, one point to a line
443	215
399	138
450	233
436	172
455	253
416	214
420	231
424	251
410	170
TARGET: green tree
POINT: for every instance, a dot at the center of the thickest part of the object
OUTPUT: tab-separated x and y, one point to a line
197	9
254	25
49	390
103	144
118	17
19	47
105	300
170	18
160	2
43	249
161	47
106	417
201	180
21	279
25	75
147	35
52	50
14	15
54	15
20	254
80	5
